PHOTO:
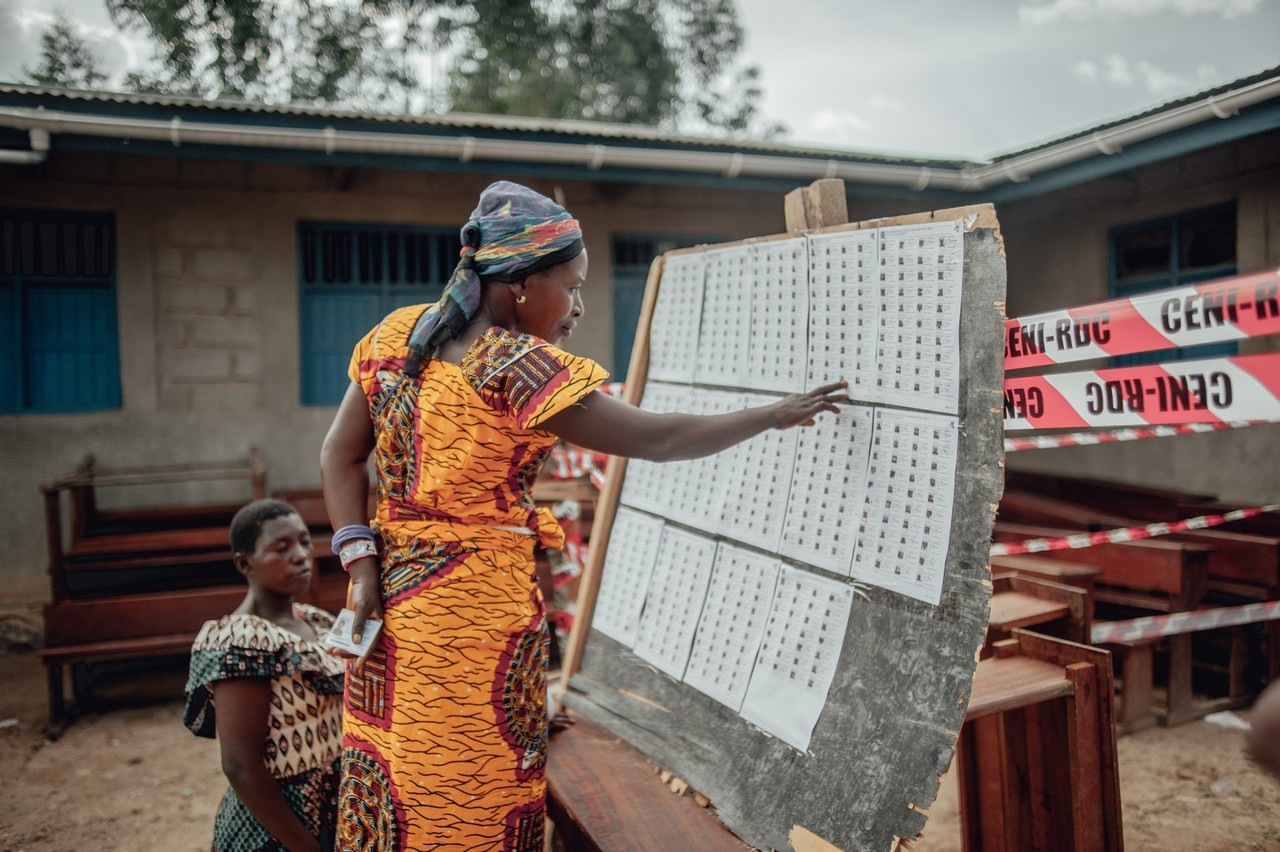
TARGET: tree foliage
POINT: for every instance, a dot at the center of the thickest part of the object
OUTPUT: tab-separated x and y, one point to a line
65	58
666	63
272	51
662	63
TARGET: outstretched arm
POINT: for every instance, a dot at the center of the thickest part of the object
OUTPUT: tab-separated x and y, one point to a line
607	425
344	474
243	707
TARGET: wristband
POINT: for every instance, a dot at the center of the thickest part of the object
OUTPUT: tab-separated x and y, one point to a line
357	549
350	532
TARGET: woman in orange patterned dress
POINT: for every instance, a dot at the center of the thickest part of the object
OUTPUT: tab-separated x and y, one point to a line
445	729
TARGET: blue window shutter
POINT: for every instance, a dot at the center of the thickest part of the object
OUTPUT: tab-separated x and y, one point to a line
9	341
350	276
61	351
628	295
72	357
331	325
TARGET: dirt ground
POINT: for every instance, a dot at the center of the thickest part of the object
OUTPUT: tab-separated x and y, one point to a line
131	777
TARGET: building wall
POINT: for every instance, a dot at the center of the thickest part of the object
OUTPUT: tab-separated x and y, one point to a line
208	306
207	292
1057	257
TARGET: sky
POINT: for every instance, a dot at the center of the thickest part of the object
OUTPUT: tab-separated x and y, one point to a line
937	77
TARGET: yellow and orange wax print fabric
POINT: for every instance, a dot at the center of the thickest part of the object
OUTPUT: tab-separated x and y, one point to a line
444	734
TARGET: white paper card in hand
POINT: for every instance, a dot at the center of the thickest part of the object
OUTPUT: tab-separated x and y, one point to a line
340	634
732	623
798	656
674	601
628	565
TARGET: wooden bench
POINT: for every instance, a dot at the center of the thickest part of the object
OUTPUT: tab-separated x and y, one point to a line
1026	602
139	583
1036	757
1063	571
1244	566
1141	578
603	795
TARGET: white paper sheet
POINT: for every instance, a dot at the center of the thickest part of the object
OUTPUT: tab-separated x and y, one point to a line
624	579
759	483
918	307
648	484
779	316
843	288
673	333
906	523
732	623
828	489
674	602
726	319
798	655
697	497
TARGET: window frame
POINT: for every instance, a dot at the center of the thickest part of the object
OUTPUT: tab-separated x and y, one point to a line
1176	276
358	279
97	291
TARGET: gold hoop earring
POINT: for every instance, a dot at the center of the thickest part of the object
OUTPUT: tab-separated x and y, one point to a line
520	301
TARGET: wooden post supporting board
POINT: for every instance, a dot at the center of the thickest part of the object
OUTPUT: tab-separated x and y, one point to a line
865	769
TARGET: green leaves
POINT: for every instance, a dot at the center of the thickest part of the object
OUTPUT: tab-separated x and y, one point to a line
65	58
661	63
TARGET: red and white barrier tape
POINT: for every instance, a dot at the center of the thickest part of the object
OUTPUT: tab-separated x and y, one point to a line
1081	540
1212	390
1213	312
1155	626
573	463
613	389
1089	439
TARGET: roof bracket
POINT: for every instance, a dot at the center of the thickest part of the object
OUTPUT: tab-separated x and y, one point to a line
1218	109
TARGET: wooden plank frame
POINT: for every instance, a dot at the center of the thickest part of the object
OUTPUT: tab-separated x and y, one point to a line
892	717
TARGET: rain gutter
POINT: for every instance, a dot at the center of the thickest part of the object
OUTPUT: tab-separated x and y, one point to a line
39	150
594	156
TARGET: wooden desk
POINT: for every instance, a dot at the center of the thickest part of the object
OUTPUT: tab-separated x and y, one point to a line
1036	758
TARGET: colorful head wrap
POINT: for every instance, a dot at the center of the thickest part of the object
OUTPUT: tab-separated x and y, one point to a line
513	233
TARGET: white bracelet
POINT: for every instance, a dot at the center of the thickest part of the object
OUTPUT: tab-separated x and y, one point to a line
357	549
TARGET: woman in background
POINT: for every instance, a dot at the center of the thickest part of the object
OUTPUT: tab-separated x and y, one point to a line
264	686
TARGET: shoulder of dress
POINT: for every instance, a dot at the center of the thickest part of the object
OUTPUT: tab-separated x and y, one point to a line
238	631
